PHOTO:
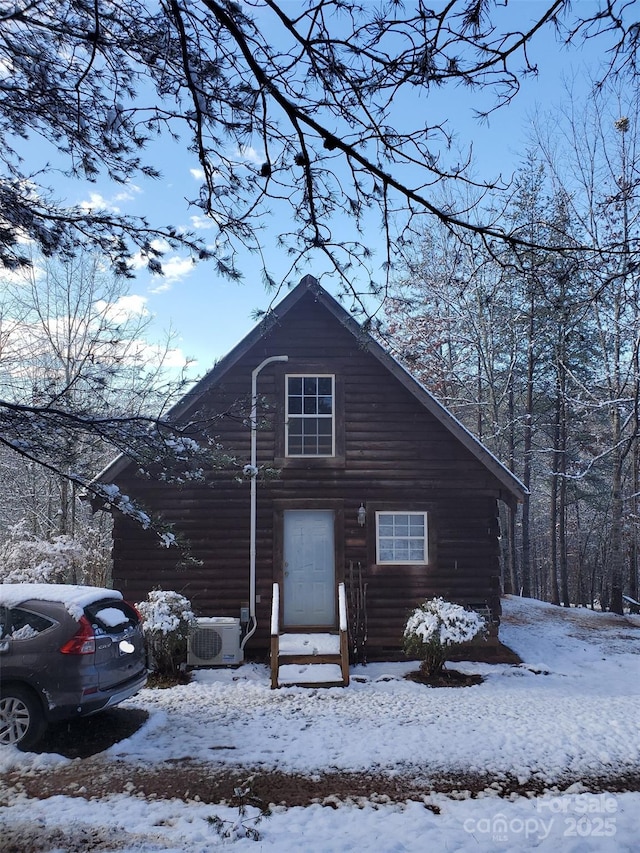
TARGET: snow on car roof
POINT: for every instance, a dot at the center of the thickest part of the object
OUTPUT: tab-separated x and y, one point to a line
74	597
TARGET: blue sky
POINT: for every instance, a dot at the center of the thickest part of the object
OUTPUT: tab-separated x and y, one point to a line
209	313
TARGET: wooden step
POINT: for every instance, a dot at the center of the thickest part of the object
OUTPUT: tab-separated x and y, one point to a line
310	675
309	645
309	659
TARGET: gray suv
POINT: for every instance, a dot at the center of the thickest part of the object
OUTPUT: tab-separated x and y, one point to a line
65	652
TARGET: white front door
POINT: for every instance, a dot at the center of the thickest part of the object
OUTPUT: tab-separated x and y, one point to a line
309	568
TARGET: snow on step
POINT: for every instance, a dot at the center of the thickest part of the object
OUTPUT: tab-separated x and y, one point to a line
313	673
309	644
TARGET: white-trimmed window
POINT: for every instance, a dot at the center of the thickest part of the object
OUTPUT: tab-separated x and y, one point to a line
310	415
402	537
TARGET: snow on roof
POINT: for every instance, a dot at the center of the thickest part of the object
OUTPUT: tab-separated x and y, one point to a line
74	597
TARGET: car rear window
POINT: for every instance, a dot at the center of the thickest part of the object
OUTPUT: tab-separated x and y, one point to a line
109	616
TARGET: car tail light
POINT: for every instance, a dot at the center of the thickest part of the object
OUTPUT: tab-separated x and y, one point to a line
83	641
135	610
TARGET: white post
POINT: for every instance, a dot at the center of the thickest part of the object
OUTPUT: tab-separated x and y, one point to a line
275	611
253	474
342	606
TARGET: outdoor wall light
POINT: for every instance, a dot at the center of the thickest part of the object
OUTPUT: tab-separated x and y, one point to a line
362	515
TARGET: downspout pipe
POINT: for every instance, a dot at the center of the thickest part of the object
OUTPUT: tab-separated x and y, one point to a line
253	472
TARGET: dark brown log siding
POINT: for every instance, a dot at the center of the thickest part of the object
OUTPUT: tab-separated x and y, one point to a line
397	456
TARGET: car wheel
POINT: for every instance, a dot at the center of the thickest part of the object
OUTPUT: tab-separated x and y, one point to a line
22	722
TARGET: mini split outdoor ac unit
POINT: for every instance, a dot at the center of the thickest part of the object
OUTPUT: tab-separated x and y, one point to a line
214	641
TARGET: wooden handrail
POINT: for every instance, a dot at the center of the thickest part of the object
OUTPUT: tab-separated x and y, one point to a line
342	606
344	635
275	611
275	635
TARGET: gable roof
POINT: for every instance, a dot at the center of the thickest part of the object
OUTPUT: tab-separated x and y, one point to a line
515	490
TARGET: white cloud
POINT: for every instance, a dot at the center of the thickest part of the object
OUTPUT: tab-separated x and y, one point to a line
150	353
175	358
132	305
202	222
140	261
99	202
129	194
161	288
247	152
176	268
198	174
96	201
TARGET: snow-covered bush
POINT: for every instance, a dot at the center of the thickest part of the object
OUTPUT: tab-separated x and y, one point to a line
28	560
434	628
84	558
166	620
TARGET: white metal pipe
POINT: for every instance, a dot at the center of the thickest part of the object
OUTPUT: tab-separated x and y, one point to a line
254	474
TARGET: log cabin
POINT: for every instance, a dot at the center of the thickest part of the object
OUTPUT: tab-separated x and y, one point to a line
355	479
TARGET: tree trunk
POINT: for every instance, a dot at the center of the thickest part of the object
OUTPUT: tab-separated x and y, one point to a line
615	604
564	567
633	546
528	443
553	536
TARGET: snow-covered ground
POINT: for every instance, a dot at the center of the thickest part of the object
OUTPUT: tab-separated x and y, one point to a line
570	712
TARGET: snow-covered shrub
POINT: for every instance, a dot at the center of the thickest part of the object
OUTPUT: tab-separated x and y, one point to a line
434	628
84	558
99	561
28	560
166	620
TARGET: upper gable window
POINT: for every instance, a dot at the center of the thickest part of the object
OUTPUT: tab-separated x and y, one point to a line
310	415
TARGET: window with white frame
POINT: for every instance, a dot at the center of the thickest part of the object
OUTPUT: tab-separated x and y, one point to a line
402	537
310	410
